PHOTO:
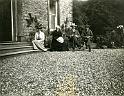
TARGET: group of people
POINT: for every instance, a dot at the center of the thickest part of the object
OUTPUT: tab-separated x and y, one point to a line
64	38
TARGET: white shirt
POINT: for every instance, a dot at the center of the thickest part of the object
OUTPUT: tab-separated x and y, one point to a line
40	36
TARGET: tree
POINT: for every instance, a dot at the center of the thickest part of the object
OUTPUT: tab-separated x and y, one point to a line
99	14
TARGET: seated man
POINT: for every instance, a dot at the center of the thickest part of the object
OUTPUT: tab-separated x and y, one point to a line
38	42
65	43
87	36
74	37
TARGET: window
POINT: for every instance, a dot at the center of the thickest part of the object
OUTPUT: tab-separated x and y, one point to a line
53	14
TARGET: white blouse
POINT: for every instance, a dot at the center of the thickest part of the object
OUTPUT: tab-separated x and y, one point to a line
40	36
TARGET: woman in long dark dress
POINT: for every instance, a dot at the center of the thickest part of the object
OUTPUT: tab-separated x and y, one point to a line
57	40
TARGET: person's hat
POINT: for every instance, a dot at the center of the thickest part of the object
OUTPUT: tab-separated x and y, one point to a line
39	26
58	27
73	25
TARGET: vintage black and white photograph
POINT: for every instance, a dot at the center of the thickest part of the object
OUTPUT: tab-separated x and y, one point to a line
61	47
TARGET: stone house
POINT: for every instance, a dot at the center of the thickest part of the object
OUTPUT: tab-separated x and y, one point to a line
13	15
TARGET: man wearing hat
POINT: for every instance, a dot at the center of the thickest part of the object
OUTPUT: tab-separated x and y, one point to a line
87	35
74	38
38	42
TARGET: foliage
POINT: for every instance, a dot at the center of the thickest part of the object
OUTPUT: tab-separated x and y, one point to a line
102	15
99	13
33	22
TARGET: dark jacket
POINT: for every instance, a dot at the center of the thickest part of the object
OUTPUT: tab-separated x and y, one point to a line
87	33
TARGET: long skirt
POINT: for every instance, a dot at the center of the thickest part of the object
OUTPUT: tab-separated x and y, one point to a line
39	45
56	46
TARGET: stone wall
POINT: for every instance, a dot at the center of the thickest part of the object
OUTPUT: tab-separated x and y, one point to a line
37	8
66	10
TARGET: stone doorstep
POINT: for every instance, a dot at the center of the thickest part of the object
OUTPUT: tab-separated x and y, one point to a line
18	47
13	43
20	52
7	45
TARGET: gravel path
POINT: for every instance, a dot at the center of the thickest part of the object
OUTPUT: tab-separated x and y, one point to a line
79	73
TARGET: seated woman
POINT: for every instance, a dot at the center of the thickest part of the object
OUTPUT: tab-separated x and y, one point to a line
38	42
57	40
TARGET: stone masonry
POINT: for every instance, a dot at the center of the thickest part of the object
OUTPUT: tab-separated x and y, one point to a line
66	10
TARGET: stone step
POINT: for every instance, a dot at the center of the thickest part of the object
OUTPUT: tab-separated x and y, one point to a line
9	48
15	49
11	44
18	52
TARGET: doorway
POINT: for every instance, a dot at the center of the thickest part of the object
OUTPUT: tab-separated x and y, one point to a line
5	21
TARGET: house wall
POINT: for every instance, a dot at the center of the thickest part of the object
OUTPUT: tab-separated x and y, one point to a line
66	9
39	8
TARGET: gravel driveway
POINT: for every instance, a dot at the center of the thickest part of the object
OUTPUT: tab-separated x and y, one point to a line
79	73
